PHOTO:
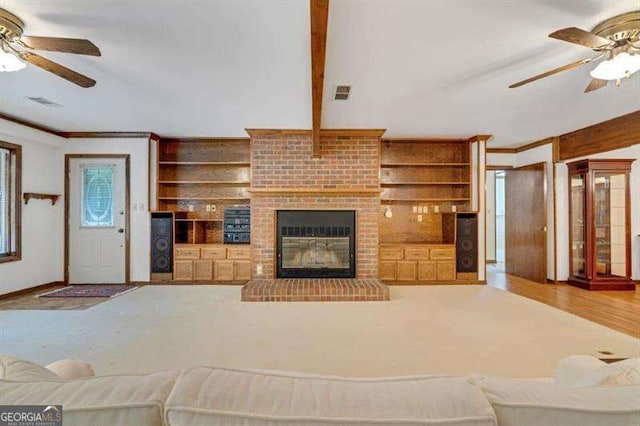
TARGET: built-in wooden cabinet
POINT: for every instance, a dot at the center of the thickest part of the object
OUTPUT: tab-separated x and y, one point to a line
599	224
200	262
198	178
417	262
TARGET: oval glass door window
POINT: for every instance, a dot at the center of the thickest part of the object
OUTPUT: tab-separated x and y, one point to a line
97	196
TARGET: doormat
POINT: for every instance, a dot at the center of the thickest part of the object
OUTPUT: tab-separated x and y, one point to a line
91	290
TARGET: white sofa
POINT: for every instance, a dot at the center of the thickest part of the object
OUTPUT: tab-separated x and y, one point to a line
222	396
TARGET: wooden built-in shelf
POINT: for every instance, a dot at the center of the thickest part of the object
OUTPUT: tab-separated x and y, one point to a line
424	164
423	183
204	163
203	198
337	192
203	182
37	196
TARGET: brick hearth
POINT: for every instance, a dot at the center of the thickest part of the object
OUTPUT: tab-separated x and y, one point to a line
315	290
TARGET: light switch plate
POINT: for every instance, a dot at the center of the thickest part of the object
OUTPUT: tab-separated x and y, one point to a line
213	207
190	207
420	210
415	209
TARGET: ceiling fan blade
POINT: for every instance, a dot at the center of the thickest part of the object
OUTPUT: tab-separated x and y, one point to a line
554	71
57	69
583	38
595	84
65	45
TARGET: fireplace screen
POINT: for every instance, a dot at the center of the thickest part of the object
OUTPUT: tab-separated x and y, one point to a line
316	244
315	253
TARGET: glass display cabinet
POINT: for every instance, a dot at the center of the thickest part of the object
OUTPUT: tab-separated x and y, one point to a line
599	225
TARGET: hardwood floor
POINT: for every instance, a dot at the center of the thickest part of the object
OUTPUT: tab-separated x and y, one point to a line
618	310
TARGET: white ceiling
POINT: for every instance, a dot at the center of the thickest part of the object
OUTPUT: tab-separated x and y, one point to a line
418	68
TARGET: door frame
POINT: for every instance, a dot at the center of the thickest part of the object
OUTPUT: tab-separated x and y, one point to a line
127	207
544	207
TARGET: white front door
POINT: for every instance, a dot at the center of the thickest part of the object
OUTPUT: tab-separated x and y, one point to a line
97	220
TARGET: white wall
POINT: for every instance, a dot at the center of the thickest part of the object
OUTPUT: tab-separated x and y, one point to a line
562	188
138	149
42	223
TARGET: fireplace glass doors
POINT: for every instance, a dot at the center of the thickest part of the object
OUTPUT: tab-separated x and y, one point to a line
316	244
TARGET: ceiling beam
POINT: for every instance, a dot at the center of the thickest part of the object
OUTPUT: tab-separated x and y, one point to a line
319	10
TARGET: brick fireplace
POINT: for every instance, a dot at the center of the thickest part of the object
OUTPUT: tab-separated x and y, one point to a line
284	176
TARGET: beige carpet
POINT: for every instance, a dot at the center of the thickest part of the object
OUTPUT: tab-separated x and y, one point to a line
422	330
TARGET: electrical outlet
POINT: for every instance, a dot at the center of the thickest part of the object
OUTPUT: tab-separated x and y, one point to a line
190	207
213	207
415	209
208	208
436	209
419	218
259	269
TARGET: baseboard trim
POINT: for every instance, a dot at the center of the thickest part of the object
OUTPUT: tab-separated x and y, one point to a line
45	286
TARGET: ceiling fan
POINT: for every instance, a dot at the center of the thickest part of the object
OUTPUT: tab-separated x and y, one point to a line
617	39
16	49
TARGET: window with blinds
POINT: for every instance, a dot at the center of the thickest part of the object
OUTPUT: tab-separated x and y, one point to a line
10	157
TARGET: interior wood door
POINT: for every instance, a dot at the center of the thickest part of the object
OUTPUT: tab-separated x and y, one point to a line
97	220
526	222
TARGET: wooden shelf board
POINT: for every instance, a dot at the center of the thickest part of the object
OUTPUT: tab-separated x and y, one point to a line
423	183
205	182
203	198
424	199
39	196
205	163
424	164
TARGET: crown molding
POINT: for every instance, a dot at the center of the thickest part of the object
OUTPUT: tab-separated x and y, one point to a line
374	133
29	124
102	135
278	132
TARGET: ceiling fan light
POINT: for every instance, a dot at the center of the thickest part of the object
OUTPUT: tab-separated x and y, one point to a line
622	65
10	62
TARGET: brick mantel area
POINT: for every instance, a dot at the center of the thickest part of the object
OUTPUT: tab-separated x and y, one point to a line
284	176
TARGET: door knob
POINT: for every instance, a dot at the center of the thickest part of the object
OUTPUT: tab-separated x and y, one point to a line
121	230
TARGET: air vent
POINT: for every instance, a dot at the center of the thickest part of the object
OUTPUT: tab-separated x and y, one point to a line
342	93
44	101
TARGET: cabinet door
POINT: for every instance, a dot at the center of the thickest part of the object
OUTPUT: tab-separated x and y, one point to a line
446	270
183	270
242	270
427	270
202	270
387	270
407	271
224	270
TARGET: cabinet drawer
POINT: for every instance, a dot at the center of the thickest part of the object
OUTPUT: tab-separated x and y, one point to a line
387	270
391	254
224	270
183	270
446	270
443	253
416	254
407	271
239	253
187	253
427	270
202	270
214	253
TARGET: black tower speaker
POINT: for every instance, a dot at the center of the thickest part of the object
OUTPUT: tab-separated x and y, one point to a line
467	242
161	246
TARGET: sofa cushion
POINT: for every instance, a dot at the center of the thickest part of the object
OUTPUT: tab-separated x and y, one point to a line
525	403
71	369
572	368
19	370
98	401
206	396
621	372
